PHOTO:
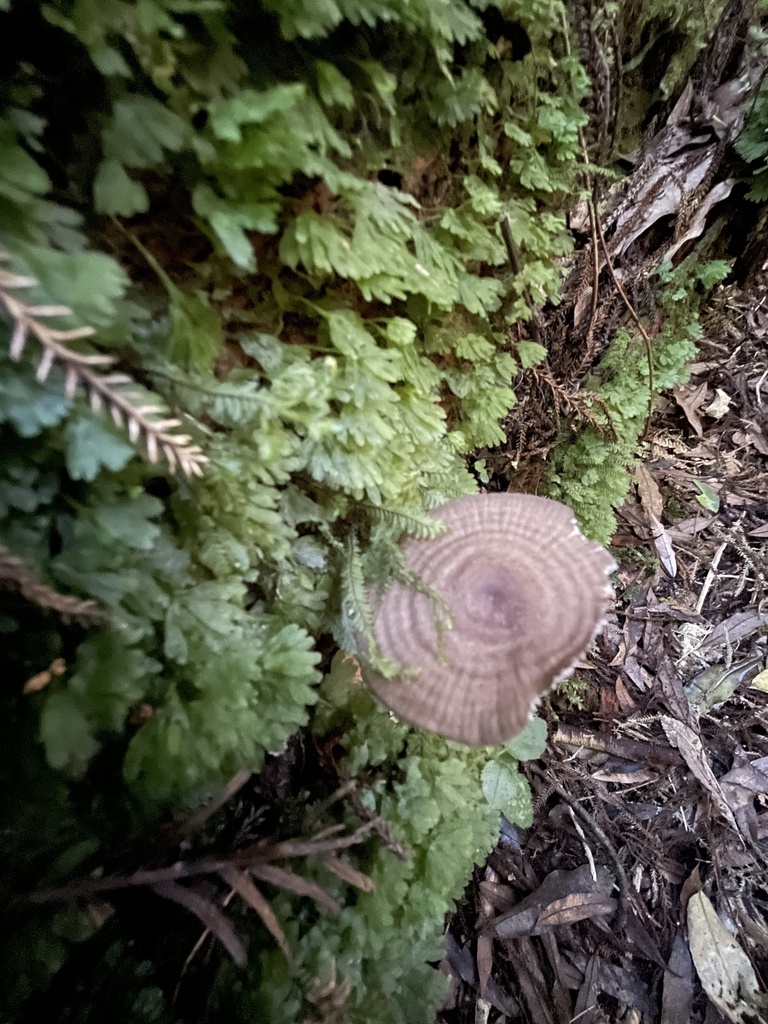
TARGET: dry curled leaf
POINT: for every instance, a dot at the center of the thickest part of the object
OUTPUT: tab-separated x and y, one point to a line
719	405
690	398
92	373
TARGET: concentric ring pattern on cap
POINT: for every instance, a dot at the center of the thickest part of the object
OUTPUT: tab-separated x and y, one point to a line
526	592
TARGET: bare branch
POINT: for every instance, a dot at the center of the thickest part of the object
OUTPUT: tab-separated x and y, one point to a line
15	573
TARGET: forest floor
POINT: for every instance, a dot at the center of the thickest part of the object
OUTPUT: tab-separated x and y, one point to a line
639	894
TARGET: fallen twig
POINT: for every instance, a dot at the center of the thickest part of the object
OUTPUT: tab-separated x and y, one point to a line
632	750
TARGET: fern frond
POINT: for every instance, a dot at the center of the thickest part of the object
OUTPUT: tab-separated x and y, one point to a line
414	524
102	389
576	403
16	574
356	619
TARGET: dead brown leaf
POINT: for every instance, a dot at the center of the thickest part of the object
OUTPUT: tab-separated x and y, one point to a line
558	891
752	436
735	628
741	785
484	958
294	883
663	544
648	492
690	746
576	907
40	680
677	999
690	398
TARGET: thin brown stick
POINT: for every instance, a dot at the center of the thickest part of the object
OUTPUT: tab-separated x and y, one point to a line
201	816
15	573
259	853
196	949
210	916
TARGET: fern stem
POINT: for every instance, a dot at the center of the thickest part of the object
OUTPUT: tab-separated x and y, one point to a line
103	389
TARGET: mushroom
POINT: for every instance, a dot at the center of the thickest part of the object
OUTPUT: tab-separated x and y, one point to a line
526	593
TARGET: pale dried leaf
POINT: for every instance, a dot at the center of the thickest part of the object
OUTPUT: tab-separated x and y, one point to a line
44	366
719	405
575	907
720	192
484	958
18	340
671	178
37	682
75	335
736	627
663	544
724	969
45	311
688	743
71	381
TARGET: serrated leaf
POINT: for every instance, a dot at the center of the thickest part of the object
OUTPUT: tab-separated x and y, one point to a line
196	333
91	447
334	88
66	734
28	405
175	646
128	522
141	130
252	107
231	220
530	353
507	790
115	193
109	677
530	743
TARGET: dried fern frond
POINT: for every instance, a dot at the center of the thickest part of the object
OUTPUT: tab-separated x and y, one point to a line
576	403
102	389
16	574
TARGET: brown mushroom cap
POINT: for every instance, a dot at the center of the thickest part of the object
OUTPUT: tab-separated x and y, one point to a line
526	593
